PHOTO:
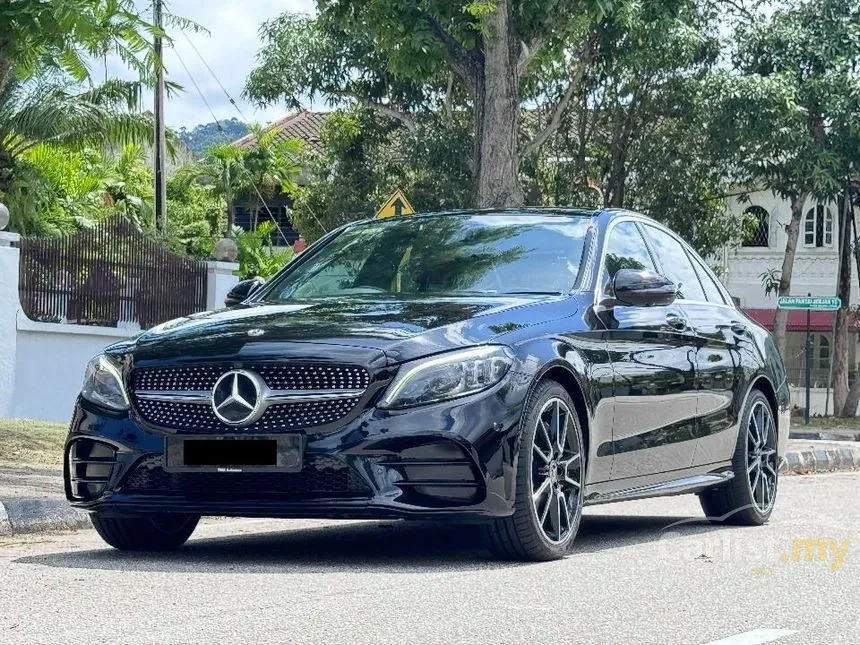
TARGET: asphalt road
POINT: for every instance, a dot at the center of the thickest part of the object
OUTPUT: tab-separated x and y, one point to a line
630	580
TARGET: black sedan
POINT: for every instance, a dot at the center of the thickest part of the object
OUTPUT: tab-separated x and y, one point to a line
505	367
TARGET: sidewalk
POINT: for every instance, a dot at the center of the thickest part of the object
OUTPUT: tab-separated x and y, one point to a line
32	499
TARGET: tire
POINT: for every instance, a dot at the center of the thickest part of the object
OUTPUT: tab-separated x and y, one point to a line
544	524
748	499
146	533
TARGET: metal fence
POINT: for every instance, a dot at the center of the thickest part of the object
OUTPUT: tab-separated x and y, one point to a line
112	275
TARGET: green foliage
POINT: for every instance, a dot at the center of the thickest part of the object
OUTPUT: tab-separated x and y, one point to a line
202	137
63	113
248	175
794	107
635	130
39	37
365	158
196	216
405	59
57	188
256	256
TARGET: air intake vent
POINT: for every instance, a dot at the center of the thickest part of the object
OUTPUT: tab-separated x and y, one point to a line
91	465
320	477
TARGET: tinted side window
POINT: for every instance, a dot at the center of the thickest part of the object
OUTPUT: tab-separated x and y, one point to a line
625	249
676	264
709	282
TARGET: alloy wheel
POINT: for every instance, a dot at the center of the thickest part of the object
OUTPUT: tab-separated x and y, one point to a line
556	471
761	456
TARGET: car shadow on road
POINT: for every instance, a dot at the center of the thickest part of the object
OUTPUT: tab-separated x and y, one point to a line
364	546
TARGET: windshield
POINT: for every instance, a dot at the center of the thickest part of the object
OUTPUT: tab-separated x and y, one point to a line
442	255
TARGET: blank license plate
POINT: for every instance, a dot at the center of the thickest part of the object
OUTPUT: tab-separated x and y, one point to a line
234	454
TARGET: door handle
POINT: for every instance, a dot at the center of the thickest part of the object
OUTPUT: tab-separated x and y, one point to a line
676	322
738	327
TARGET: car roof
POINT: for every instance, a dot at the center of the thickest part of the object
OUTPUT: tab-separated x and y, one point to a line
525	211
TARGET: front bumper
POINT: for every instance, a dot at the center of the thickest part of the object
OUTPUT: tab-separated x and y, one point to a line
452	459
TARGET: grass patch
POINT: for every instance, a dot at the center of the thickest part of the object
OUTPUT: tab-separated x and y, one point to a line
828	423
31	443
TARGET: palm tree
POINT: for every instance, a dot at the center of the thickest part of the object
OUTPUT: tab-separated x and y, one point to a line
257	173
57	113
54	112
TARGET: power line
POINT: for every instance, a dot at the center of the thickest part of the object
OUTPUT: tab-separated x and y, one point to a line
215	118
233	102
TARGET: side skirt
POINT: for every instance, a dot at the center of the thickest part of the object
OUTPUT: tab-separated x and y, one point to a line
680	482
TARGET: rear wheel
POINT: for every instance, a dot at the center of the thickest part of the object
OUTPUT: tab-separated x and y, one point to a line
550	475
749	497
163	532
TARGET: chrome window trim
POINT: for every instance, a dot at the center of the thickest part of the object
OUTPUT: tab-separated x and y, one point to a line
643	219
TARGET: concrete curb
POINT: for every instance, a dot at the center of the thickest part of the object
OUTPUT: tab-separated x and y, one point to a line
29	515
824	435
828	458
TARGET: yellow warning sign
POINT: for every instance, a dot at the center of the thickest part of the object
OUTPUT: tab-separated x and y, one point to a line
397	204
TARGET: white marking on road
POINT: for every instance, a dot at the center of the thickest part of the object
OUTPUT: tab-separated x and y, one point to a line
755	637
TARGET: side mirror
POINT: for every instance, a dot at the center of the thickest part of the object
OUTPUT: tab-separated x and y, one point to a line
643	288
241	290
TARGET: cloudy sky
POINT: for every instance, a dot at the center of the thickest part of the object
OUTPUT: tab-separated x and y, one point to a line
229	49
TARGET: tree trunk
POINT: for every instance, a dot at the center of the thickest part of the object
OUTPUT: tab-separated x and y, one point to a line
231	215
843	290
853	398
497	107
5	67
793	229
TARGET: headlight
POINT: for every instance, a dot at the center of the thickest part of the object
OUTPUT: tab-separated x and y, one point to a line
448	376
103	384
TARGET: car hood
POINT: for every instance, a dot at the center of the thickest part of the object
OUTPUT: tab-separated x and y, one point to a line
359	329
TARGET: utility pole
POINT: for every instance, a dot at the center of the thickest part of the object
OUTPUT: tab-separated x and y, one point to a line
160	188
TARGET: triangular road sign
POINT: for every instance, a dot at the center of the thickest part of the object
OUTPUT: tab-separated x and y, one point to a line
397	204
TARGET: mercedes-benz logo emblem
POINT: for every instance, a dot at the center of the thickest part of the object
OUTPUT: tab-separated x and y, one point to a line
237	397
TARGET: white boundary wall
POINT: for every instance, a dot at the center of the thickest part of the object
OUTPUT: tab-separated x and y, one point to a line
42	364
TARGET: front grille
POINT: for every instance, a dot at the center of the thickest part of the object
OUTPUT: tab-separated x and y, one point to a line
276	376
320	477
199	417
278	418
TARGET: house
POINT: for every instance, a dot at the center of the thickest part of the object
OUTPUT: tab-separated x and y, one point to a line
304	125
748	266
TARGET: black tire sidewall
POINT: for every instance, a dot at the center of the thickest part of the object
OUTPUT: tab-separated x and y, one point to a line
741	457
543	393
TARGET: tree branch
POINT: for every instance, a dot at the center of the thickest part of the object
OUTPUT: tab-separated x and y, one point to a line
449	92
561	106
462	61
528	51
405	118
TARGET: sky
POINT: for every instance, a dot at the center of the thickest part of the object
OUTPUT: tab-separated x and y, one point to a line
229	48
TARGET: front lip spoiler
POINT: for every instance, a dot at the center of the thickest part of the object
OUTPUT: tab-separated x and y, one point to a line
319	508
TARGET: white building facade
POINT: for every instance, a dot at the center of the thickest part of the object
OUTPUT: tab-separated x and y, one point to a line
815	272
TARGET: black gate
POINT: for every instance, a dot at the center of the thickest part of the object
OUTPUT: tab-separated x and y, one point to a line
111	275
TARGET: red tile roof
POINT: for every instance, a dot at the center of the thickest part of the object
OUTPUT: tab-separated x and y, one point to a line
302	125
